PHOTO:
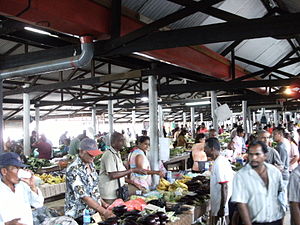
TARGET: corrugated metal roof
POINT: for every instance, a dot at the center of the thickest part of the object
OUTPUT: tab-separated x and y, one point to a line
267	51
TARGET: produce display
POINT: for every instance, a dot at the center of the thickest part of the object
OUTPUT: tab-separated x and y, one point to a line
177	151
50	179
35	163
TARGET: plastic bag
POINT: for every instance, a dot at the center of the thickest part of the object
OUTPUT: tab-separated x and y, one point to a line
62	220
137	204
117	202
41	214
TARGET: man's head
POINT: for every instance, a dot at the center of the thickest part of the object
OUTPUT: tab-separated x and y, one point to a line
240	132
278	134
117	141
212	133
88	150
256	152
263	136
212	148
33	133
10	163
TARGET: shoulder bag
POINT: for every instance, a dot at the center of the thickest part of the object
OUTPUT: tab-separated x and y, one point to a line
122	191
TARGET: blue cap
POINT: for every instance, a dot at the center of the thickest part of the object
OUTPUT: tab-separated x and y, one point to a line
11	159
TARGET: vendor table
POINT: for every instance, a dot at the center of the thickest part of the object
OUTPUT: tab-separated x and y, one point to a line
177	162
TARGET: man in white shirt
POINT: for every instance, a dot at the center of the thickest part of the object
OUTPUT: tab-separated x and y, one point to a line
256	189
294	195
17	195
220	181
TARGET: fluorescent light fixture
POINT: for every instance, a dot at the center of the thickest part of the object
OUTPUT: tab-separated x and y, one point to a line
198	103
39	31
288	91
167	110
145	99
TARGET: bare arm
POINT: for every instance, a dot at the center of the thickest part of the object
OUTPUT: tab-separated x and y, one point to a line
94	205
119	174
224	193
294	159
244	213
139	162
295	212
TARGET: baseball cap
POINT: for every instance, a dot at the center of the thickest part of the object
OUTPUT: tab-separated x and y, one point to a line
11	159
90	146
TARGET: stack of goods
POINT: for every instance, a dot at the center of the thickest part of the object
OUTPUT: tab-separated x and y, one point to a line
35	164
51	179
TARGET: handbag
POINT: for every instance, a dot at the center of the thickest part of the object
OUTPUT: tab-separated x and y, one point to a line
122	191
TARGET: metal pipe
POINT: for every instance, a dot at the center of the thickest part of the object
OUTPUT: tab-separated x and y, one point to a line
87	53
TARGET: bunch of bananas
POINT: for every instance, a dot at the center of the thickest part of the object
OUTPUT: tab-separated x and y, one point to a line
178	184
49	179
163	185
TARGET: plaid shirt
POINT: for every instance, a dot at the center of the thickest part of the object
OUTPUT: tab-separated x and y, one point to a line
80	184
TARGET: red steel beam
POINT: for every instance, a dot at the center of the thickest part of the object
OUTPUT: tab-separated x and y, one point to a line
81	17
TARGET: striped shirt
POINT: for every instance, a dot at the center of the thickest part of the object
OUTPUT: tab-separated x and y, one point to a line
294	186
262	201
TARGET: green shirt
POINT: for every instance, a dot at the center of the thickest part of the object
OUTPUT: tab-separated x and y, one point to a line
74	146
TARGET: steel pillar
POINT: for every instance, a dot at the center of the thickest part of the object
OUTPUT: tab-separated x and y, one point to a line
94	120
275	117
161	121
254	117
213	96
244	111
184	118
1	118
110	118
26	122
154	157
193	121
133	121
201	117
37	120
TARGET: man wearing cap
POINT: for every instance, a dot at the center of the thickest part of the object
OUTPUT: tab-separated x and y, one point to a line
82	184
17	195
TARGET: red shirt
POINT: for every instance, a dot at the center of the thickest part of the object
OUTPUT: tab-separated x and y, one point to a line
44	150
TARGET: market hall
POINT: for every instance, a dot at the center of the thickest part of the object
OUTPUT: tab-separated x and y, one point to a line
149	112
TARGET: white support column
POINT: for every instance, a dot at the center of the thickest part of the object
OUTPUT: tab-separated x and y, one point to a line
37	121
26	122
244	111
133	121
275	116
94	120
161	121
193	121
254	117
201	118
250	121
184	118
110	118
1	117
154	147
213	96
